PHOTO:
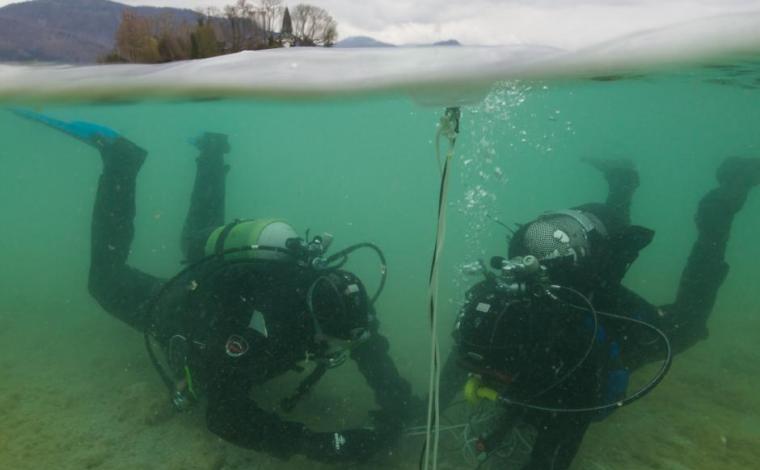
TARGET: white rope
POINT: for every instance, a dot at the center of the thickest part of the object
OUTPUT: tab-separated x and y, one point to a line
447	128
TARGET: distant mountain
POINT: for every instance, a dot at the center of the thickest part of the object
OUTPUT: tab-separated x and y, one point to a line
72	31
366	41
362	41
448	42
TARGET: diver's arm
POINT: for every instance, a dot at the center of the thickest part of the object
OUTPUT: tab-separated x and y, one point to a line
392	393
120	289
208	197
234	416
559	437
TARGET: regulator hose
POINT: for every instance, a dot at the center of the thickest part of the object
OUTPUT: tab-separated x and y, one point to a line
640	393
342	256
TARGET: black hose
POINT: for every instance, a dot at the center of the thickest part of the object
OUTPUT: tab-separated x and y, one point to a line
342	256
161	372
640	393
588	348
165	377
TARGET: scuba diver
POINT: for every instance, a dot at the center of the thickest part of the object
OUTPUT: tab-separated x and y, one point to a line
254	302
551	334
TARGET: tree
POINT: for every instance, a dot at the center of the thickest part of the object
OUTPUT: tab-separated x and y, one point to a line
203	40
244	31
313	26
207	13
173	47
287	24
241	25
173	37
235	14
285	37
135	41
112	57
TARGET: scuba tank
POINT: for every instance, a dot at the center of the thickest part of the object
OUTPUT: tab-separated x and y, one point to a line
266	238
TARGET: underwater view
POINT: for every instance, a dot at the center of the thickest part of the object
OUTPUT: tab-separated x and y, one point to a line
399	178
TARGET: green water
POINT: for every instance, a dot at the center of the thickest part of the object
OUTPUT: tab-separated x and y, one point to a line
79	391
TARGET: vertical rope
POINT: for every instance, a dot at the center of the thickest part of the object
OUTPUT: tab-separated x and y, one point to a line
448	128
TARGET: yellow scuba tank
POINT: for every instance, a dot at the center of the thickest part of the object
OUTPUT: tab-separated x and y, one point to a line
255	239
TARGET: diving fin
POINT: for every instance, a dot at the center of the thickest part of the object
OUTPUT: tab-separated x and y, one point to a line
87	132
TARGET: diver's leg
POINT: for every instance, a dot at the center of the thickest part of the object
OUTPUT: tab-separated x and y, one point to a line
558	439
207	200
622	182
706	268
122	290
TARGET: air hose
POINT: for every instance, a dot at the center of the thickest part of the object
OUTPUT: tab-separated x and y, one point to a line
342	255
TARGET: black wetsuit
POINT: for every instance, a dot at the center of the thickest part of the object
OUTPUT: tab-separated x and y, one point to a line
276	292
621	346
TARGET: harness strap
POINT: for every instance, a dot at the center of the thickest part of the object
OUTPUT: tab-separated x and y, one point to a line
219	247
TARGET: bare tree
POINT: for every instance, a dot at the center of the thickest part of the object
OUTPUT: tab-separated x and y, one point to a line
270	12
313	26
240	17
207	13
231	12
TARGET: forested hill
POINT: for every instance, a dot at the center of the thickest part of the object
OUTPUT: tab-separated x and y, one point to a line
72	31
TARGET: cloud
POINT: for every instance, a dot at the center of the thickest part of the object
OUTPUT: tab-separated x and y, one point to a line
558	23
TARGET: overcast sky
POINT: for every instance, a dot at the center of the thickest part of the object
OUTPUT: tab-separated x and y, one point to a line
560	23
